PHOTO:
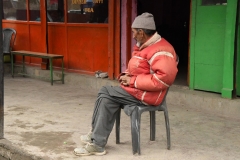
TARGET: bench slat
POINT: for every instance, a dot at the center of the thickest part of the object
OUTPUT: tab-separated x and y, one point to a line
36	54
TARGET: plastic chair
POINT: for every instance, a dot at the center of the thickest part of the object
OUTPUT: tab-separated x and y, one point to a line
135	124
9	36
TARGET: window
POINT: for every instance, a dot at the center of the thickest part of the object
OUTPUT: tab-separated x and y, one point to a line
55	10
87	11
14	10
34	6
214	2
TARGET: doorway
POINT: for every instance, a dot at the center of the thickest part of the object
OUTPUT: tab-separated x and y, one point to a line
172	23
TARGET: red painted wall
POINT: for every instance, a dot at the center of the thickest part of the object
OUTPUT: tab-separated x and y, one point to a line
87	47
84	46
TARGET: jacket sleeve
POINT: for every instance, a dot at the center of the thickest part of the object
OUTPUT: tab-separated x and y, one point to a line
162	75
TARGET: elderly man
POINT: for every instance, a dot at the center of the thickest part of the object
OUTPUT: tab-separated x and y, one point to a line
151	70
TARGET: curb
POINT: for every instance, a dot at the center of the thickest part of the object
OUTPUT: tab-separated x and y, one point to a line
203	101
10	152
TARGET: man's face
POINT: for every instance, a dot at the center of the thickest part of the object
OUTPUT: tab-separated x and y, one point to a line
138	35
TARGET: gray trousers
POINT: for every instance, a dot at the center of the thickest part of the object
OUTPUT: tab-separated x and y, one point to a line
109	100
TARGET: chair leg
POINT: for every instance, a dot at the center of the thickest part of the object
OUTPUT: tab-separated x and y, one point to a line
135	129
152	125
117	125
167	129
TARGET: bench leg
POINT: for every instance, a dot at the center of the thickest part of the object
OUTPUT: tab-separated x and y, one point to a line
23	65
51	71
62	71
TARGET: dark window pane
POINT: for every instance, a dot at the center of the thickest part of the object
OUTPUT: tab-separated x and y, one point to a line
214	2
55	10
14	10
87	11
34	10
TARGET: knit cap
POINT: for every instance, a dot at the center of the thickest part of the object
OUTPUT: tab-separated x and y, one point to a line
144	21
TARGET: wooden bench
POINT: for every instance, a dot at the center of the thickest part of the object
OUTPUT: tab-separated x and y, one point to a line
39	55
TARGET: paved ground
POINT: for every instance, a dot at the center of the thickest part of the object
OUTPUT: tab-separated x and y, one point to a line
47	121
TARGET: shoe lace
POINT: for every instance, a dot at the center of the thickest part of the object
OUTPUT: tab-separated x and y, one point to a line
89	135
88	146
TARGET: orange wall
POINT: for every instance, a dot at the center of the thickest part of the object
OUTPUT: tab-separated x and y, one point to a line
84	46
88	47
57	42
28	38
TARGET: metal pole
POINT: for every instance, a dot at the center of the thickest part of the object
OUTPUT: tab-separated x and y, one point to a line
1	73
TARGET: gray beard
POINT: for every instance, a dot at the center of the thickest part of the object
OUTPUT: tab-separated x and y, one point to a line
138	44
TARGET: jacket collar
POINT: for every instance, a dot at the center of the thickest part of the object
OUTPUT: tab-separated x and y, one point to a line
154	39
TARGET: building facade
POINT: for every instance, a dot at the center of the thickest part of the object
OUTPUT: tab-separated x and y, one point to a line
81	30
96	35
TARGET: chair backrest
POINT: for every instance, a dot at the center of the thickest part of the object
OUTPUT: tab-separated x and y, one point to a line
9	36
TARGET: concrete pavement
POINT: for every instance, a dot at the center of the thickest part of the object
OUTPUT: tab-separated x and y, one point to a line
45	122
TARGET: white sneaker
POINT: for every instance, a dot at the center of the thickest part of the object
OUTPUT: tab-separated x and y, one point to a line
90	149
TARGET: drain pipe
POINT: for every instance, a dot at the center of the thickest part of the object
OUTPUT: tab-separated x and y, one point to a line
1	73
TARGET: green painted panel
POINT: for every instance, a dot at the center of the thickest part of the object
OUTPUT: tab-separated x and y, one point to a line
238	71
238	58
208	77
229	49
209	47
192	43
211	14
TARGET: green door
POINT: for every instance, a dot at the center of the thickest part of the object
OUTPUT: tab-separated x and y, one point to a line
237	52
208	50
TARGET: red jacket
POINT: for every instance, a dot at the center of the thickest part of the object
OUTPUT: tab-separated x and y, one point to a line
153	68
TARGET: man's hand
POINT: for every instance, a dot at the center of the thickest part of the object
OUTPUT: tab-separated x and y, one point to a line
125	79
